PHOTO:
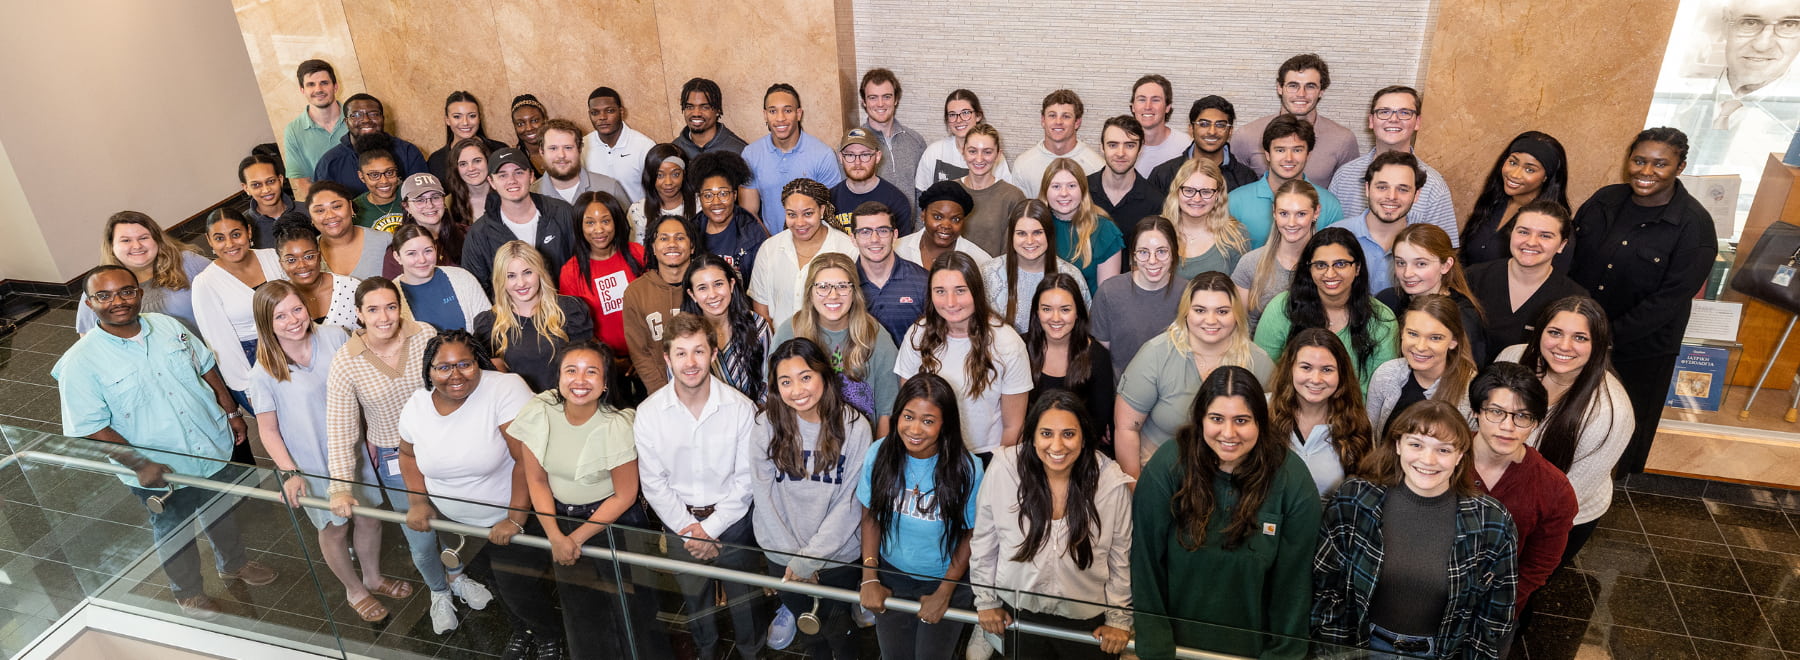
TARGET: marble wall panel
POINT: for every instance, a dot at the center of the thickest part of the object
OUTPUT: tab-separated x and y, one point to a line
280	34
561	50
1582	72
745	47
413	54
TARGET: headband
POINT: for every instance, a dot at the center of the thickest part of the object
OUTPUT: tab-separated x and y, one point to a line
676	160
1539	149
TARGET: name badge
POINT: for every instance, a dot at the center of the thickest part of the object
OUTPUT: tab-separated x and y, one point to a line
1783	275
393	466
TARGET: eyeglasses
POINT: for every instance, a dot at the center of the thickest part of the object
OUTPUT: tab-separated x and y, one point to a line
382	175
823	289
959	114
1205	124
1521	419
428	198
365	114
882	232
1390	113
1339	264
863	157
309	257
716	194
265	184
1750	26
127	293
1188	192
445	369
1145	253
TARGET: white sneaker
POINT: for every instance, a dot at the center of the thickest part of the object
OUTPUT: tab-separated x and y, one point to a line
443	612
979	648
471	592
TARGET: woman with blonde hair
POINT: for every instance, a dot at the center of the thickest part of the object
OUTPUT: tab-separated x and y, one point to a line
836	317
1157	389
1266	271
1198	204
1434	362
1425	262
529	322
165	268
1031	255
988	185
1084	237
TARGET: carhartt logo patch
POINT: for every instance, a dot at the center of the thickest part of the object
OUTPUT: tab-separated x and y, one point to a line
1268	529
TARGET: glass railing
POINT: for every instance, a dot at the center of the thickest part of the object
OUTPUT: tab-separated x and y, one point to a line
74	535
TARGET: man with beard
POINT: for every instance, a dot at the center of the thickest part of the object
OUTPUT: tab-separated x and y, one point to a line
701	107
144	381
316	130
1209	123
901	147
785	154
367	131
862	157
564	177
1300	84
1391	184
1061	119
614	149
514	213
1394	115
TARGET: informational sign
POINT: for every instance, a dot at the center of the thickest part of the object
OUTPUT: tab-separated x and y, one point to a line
1718	321
1699	380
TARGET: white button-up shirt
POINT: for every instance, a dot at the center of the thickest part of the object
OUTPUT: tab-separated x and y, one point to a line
687	460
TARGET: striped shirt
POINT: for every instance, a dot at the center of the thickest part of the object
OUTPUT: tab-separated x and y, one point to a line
364	396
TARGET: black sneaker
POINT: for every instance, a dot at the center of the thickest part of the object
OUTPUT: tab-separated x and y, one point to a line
549	648
519	647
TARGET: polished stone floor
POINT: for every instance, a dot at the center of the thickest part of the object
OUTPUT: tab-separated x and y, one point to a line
1680	568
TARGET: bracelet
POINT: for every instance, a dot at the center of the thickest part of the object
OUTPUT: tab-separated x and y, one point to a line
234	415
516	524
868	581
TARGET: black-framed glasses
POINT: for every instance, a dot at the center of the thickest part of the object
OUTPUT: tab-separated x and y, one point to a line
1390	113
690	107
445	369
1520	418
823	289
1335	264
959	114
857	158
382	175
1190	192
127	293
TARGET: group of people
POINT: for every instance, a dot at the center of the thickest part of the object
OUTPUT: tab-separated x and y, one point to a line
1178	389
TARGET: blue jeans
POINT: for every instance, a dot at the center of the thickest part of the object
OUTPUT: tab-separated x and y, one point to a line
423	546
1382	640
173	527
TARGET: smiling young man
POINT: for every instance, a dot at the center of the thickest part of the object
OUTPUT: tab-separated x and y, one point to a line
1287	146
653	300
260	176
367	119
614	149
1509	402
564	177
1391	185
514	213
702	104
901	146
1060	116
317	129
1394	114
862	157
146	382
1152	103
1209	123
785	154
1121	194
893	287
1300	84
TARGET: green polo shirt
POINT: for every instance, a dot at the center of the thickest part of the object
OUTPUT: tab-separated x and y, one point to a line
304	142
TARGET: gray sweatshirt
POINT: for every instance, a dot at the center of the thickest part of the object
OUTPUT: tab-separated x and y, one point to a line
801	522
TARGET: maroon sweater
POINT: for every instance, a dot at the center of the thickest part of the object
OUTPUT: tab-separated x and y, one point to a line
1542	504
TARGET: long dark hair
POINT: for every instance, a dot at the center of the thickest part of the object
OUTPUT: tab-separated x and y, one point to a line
1351	433
746	325
621	239
614	396
786	450
451	337
953	476
1493	199
653	161
978	368
1036	502
1305	309
460	96
1562	428
457	206
1039	211
1037	342
1193	503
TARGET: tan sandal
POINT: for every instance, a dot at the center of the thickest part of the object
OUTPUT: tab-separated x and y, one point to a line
396	589
370	610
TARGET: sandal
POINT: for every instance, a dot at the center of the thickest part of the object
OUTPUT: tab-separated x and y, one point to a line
370	610
397	589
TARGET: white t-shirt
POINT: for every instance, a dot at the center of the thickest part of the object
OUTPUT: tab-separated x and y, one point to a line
982	421
567	194
526	232
1172	147
467	469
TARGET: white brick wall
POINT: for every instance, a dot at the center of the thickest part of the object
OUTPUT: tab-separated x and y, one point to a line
1013	53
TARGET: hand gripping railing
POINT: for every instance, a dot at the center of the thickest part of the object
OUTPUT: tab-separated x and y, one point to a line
608	554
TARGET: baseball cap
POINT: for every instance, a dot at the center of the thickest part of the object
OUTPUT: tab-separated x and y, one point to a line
859	136
508	155
420	183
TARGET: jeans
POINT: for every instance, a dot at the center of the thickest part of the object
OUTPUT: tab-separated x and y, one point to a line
697	591
423	546
172	529
1022	645
591	589
903	635
833	640
1381	640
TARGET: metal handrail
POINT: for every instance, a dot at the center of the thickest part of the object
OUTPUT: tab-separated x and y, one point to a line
637	559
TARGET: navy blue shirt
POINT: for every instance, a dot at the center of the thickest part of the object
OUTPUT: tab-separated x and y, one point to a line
738	244
900	303
339	164
435	302
884	192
